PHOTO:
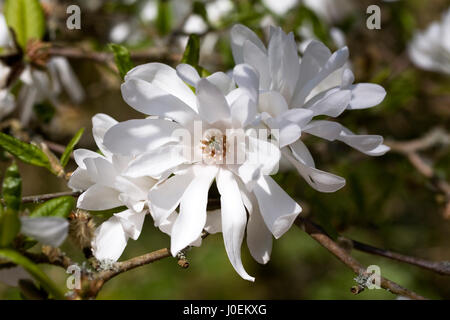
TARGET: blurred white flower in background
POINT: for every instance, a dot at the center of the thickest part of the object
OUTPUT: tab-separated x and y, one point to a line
430	49
331	11
280	7
38	85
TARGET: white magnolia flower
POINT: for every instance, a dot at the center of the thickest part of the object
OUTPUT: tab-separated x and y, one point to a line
106	188
280	7
287	100
222	111
430	49
7	102
332	11
51	231
38	85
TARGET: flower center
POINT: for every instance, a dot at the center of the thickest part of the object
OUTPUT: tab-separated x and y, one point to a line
214	146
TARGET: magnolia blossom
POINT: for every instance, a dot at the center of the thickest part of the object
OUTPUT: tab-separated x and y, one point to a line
332	11
430	49
38	85
196	139
285	89
101	175
280	7
51	231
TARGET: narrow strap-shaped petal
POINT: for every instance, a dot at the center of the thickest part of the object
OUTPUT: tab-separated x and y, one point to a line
192	218
278	209
234	219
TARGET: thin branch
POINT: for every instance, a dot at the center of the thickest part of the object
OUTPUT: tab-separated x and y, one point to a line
411	150
323	239
432	138
56	147
48	196
152	54
440	267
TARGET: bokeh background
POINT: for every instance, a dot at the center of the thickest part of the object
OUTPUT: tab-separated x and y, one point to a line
386	202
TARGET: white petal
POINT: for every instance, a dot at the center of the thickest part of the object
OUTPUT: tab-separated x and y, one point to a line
154	164
364	142
188	73
259	238
332	104
110	240
164	77
80	180
68	79
289	133
243	111
222	81
315	56
138	136
101	171
273	103
50	231
247	78
211	103
239	34
234	219
165	197
192	217
152	100
285	131
132	222
325	129
81	154
366	95
277	208
299	116
213	221
258	59
284	62
301	152
336	61
320	180
378	151
100	124
99	197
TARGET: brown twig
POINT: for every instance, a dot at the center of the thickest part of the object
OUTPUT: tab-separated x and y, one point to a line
48	196
411	150
440	267
323	239
152	54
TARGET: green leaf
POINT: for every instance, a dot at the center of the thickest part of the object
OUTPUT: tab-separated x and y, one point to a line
164	17
58	207
26	18
12	188
9	226
26	152
69	148
33	270
122	58
191	54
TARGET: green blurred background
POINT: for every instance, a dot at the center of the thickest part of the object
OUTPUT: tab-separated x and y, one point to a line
386	202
